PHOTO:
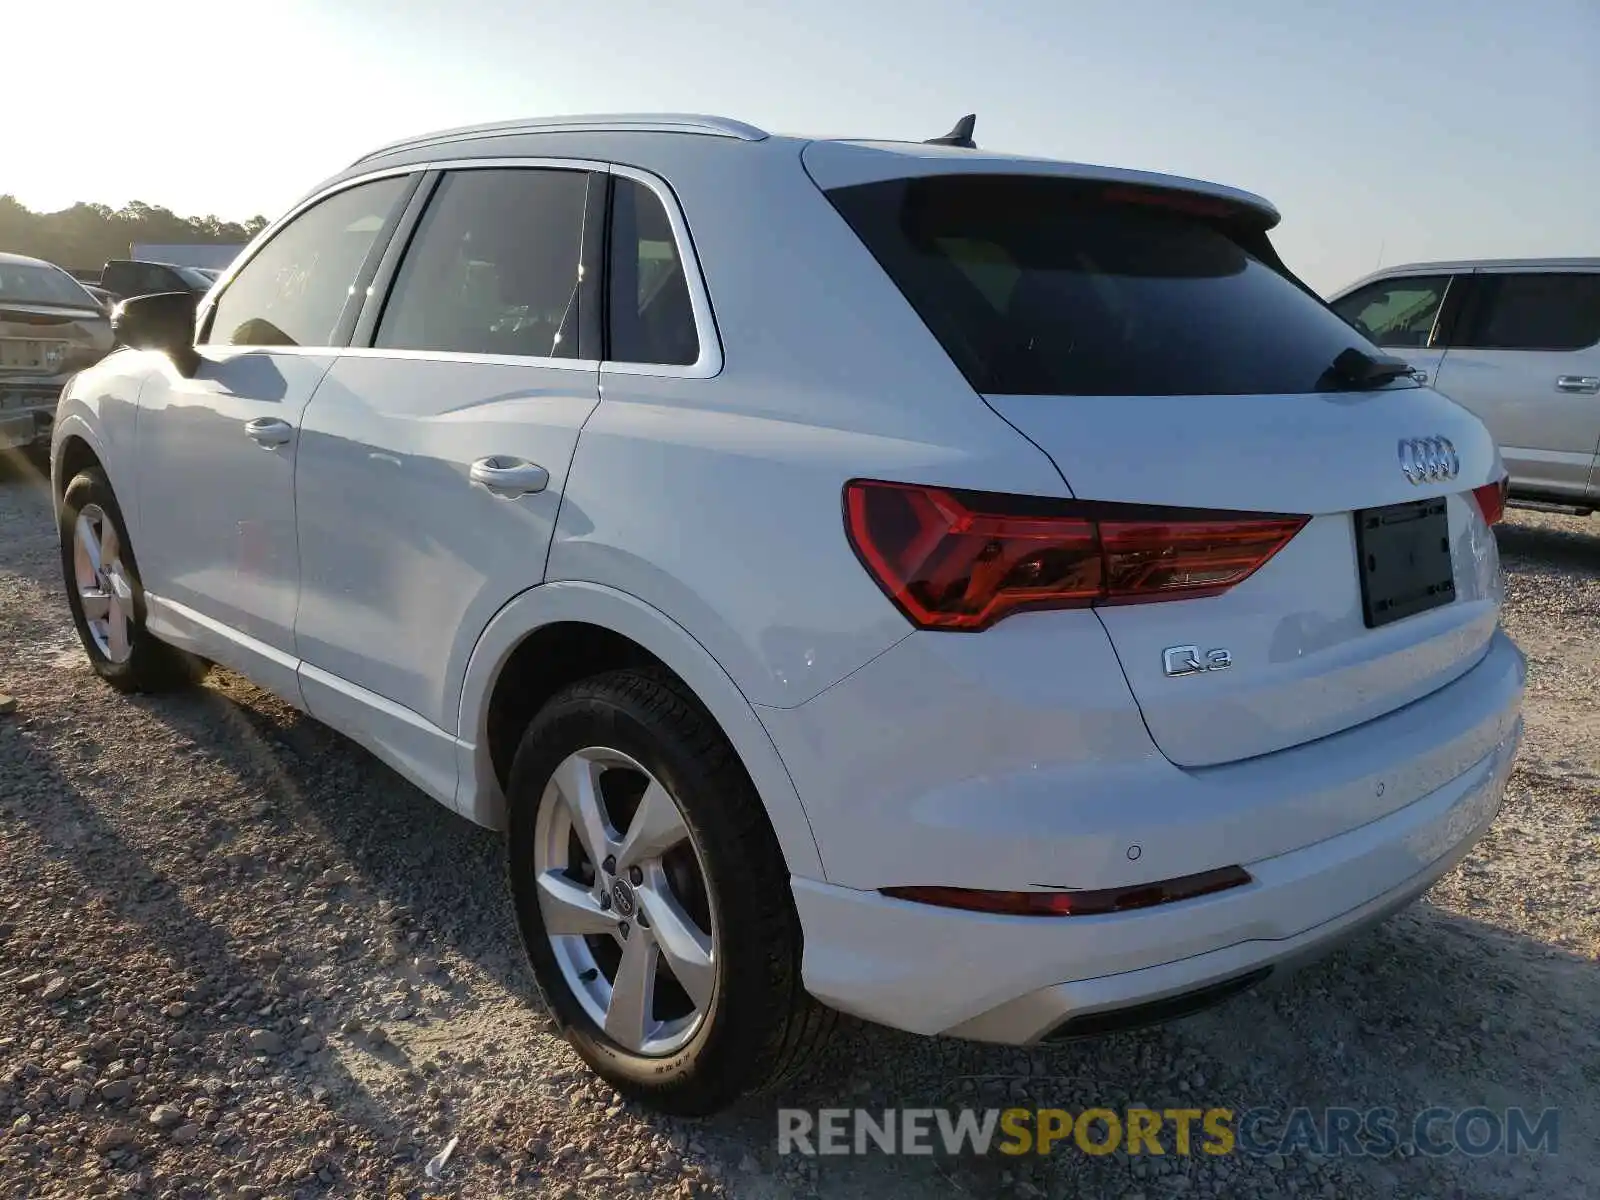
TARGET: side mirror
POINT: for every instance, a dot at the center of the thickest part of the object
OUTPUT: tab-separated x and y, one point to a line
162	322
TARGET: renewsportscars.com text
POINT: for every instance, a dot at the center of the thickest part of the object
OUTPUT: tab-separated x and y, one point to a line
1340	1132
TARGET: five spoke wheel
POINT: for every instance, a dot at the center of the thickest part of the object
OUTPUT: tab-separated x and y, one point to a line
623	897
103	588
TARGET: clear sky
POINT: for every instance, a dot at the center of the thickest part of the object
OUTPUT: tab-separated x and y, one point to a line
1407	128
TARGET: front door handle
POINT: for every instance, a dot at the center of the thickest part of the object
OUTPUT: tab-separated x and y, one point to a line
269	431
510	477
1587	384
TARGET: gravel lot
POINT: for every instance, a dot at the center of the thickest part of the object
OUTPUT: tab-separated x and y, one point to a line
238	957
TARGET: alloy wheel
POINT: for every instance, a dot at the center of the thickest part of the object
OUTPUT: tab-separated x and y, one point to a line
104	591
624	902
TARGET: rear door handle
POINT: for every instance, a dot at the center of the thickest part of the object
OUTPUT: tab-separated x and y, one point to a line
1588	384
510	477
269	431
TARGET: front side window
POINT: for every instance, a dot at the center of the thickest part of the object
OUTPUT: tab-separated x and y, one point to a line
651	316
1549	311
1396	312
294	291
494	267
1043	286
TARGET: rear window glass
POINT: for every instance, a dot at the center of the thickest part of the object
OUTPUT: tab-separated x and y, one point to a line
27	283
1038	286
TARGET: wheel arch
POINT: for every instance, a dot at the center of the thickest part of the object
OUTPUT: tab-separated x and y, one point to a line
79	442
547	633
74	447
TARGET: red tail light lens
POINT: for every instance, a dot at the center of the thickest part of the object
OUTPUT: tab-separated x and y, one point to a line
1491	498
963	560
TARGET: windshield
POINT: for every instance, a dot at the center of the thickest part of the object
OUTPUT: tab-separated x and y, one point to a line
1041	286
27	283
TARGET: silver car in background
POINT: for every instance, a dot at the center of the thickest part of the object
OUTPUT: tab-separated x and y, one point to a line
50	329
1517	341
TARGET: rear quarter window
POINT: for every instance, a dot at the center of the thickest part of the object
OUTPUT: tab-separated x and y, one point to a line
1045	286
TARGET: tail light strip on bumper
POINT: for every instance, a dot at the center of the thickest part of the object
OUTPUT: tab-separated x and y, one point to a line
1094	903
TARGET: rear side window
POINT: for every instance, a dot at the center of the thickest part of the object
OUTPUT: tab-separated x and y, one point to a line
1549	311
1039	286
651	317
294	290
494	267
1396	312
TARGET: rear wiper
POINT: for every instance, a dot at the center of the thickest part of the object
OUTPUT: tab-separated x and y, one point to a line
1357	369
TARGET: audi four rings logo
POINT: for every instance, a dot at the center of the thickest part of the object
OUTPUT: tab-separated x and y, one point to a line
1428	460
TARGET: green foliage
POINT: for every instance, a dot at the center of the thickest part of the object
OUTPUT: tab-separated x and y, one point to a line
86	235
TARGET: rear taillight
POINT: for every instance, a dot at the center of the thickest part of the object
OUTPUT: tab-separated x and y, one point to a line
963	560
1491	498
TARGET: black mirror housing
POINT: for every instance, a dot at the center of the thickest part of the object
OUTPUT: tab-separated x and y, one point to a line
163	322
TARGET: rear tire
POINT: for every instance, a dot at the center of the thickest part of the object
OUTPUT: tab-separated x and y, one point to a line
106	597
647	747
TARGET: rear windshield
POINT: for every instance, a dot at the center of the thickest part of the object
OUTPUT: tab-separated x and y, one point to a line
25	283
1039	286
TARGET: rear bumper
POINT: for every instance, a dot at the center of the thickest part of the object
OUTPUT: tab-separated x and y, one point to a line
18	429
28	410
1018	979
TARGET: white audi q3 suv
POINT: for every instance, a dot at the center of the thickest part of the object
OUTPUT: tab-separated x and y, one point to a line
988	595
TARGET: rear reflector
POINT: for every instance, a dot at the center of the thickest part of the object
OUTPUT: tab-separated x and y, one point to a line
963	560
1491	498
1076	904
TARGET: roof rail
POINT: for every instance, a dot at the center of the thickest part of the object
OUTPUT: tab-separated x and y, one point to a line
696	123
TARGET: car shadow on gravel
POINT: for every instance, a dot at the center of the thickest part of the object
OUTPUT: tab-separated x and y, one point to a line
1546	546
225	986
406	850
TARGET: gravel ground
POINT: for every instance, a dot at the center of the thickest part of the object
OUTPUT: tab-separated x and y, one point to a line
238	957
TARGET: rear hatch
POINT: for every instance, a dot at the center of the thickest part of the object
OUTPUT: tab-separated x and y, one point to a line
1146	336
49	325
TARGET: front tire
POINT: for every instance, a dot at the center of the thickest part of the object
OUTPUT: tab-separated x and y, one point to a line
653	899
106	597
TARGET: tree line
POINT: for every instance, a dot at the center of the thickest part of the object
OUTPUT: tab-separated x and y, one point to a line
86	235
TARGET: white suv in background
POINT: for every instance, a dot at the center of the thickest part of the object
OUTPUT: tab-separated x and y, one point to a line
1517	341
988	595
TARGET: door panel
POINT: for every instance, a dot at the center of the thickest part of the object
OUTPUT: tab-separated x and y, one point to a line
433	462
404	556
217	504
1522	341
1547	436
216	451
